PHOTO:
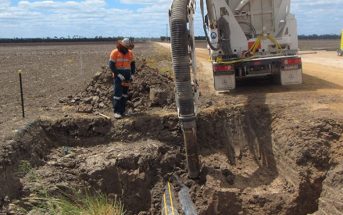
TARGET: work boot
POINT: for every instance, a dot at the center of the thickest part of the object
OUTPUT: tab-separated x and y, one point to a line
118	116
117	106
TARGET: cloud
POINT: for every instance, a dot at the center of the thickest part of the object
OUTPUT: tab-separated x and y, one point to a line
42	18
50	18
150	2
137	2
4	4
318	17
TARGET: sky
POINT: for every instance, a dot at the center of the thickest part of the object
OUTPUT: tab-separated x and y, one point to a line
137	18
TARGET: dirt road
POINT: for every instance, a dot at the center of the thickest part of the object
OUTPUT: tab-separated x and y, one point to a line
323	76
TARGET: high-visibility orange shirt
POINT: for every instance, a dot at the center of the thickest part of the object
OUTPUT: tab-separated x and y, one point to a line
122	61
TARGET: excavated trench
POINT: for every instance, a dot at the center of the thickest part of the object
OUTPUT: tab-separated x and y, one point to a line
254	161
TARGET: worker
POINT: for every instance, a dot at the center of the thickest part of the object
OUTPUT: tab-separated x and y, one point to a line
123	68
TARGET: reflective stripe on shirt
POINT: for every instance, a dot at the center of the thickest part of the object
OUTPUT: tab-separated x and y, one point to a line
124	67
122	60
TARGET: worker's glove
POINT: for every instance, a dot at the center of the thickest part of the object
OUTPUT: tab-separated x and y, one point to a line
121	77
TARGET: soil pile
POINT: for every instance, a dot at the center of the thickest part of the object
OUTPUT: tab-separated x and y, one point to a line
149	88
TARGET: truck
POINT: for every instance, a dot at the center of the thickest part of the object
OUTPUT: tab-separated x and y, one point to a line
340	50
246	39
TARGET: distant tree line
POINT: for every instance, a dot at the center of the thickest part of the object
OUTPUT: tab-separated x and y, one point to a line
319	37
301	37
104	39
164	38
57	39
200	38
69	39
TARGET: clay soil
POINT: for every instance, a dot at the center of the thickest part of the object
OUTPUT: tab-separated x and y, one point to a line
264	148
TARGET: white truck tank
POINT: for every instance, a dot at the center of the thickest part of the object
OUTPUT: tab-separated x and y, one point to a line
252	18
254	38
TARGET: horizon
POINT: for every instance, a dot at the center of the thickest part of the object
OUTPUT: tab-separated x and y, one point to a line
140	18
75	37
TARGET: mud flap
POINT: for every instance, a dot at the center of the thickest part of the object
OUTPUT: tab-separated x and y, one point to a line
291	77
224	82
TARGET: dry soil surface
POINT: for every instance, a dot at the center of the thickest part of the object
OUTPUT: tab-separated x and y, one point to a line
49	72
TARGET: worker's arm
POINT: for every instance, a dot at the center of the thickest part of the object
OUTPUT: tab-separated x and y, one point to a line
133	63
112	63
113	67
133	67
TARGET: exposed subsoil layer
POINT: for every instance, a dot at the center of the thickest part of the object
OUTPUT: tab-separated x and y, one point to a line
242	151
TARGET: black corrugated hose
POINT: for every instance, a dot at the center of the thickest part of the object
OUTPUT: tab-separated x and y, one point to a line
183	82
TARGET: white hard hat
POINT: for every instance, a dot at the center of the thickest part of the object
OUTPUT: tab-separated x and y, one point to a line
126	42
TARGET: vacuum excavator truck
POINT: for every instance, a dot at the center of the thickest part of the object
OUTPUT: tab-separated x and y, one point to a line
246	39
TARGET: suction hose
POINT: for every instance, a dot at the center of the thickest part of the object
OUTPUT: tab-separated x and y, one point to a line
183	83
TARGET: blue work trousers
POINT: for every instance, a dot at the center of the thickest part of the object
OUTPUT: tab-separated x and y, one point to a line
121	92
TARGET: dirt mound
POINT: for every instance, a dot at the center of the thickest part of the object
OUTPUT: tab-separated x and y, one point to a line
149	88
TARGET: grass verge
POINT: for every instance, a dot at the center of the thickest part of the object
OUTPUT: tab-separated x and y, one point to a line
81	204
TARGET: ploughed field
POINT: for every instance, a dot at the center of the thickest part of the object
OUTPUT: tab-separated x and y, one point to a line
264	148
